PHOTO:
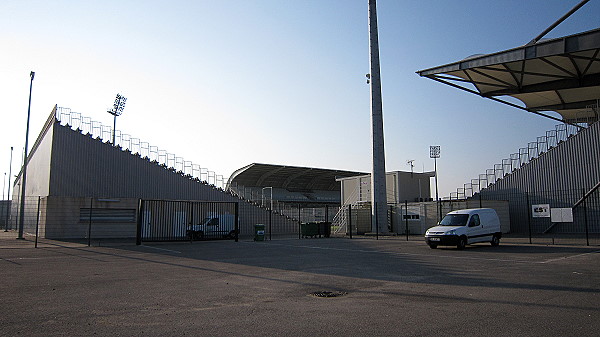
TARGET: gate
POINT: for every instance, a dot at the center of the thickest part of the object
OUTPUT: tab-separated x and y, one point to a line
168	220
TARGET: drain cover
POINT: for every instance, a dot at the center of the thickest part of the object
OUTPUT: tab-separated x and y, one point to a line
328	293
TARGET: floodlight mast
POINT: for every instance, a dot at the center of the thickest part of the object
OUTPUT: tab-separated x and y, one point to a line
378	183
434	152
117	110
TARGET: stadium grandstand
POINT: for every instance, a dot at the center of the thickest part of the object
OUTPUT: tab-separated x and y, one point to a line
554	78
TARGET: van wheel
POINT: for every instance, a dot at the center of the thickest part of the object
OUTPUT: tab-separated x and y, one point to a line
433	246
462	242
231	234
495	241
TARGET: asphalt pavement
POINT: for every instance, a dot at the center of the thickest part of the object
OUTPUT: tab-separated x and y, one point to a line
307	287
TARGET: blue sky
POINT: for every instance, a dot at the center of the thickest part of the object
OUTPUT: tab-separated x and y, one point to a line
227	83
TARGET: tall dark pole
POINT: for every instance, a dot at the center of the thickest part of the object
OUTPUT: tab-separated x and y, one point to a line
434	152
9	198
24	171
378	183
114	129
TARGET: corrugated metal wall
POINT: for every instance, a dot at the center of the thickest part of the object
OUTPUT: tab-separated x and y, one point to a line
84	166
560	177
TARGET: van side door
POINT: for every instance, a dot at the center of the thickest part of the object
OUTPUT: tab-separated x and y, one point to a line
474	229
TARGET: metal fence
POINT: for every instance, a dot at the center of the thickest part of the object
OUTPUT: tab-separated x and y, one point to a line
161	220
99	221
85	220
581	223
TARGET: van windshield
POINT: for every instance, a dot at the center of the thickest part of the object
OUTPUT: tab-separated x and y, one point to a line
454	220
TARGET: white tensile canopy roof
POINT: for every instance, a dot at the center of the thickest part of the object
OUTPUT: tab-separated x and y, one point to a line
561	75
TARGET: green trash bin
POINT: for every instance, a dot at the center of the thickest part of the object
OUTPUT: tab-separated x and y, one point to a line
259	232
309	229
325	229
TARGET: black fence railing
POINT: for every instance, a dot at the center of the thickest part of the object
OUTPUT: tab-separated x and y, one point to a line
103	221
557	216
162	220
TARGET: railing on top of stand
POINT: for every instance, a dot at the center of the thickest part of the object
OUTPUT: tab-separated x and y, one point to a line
543	144
86	125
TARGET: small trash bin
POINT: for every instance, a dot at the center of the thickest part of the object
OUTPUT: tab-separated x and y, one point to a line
259	232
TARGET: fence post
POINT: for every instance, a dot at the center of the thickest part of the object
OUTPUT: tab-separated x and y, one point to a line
90	223
587	235
270	224
406	217
37	222
299	223
350	219
376	220
391	212
190	224
528	215
237	218
138	235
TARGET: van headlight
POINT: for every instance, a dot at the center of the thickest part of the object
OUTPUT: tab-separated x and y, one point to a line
451	232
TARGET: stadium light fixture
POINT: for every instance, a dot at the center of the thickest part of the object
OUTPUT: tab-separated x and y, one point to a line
117	110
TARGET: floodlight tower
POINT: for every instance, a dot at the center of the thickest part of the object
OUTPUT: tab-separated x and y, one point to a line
434	152
378	185
117	110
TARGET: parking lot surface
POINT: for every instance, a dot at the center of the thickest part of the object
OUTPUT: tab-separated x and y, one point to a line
385	287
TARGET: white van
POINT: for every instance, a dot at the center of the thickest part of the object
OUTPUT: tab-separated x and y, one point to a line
465	226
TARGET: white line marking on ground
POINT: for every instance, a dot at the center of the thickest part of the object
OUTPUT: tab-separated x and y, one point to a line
163	249
411	254
569	257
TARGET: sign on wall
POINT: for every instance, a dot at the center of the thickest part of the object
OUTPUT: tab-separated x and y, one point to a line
561	215
540	211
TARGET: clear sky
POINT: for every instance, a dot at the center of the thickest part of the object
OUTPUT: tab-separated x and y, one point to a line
228	83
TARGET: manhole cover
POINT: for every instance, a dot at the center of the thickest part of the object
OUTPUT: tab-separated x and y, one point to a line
328	293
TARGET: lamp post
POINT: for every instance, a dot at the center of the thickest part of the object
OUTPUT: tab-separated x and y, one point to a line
434	152
24	171
8	194
117	110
